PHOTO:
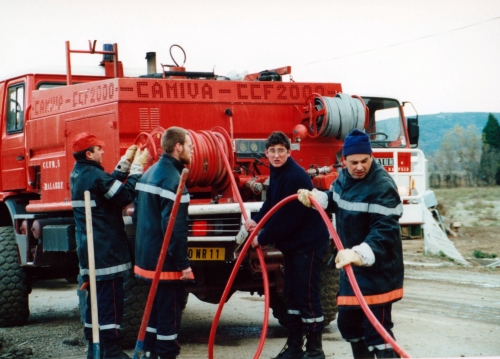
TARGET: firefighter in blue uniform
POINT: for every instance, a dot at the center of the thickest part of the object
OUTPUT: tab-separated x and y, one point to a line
109	193
156	192
367	208
299	233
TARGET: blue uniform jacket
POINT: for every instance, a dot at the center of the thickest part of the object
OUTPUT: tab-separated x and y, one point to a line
294	227
153	206
368	210
108	194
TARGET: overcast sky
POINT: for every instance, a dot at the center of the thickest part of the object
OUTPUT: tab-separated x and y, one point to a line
442	55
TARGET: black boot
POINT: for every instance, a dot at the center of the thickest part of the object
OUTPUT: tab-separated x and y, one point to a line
293	346
314	348
360	351
386	353
113	351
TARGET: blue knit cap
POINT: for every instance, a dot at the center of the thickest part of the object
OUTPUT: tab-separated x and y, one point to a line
356	143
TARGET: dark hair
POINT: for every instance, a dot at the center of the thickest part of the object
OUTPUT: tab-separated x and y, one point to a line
278	138
81	155
171	137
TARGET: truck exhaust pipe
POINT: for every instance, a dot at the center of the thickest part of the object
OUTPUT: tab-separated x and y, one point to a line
151	58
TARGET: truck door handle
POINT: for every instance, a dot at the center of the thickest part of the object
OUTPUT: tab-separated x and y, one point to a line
20	158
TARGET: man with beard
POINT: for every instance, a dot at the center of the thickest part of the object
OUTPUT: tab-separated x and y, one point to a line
156	192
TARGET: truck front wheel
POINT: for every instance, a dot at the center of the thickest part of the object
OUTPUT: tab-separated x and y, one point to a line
14	290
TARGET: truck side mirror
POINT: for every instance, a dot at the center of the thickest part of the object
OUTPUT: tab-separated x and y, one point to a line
413	131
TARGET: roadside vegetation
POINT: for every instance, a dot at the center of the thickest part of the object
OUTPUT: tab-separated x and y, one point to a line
477	210
471	206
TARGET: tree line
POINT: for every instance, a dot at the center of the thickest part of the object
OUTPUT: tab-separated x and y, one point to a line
467	159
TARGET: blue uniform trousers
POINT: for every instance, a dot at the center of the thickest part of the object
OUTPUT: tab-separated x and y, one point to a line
110	296
355	326
165	319
302	293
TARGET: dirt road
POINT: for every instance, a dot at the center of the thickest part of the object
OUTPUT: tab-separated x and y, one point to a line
447	311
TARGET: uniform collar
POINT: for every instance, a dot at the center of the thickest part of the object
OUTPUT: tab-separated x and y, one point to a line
90	163
175	162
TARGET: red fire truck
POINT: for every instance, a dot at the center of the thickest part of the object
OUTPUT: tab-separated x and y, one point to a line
41	113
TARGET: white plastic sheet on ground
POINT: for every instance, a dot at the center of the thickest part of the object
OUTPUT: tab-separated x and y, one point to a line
436	241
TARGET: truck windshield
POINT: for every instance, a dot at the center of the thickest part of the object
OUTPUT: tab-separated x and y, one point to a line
386	125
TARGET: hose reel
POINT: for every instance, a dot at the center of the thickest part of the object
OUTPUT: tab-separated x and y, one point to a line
335	116
207	167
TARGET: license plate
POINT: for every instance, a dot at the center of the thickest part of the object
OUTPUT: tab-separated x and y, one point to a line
206	254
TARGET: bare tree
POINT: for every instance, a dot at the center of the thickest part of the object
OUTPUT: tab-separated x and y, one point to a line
459	152
445	158
468	152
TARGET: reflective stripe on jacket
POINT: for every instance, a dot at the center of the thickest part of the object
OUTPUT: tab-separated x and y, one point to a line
153	206
109	194
368	210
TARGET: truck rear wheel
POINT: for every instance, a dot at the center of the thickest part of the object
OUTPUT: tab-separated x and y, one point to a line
14	290
136	296
329	286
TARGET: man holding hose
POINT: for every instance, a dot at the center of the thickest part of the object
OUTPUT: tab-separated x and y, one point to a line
367	208
299	233
156	192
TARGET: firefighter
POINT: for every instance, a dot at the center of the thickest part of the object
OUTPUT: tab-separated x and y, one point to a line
109	193
301	236
367	208
156	192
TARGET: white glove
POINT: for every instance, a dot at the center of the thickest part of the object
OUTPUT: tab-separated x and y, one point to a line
140	160
304	196
347	256
124	163
130	153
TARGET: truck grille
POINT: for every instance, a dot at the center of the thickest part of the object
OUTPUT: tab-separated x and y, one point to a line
214	225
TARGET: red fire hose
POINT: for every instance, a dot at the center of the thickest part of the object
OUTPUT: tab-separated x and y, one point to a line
139	347
336	241
229	284
354	284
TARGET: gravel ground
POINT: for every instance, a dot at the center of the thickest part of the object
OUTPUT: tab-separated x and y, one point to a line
54	329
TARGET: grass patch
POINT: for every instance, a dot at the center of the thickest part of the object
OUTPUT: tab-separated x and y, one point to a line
480	254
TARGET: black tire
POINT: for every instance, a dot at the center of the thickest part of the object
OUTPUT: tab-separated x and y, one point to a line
329	286
14	288
136	296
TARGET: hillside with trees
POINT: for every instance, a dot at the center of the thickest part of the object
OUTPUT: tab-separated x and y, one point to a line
433	127
462	148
